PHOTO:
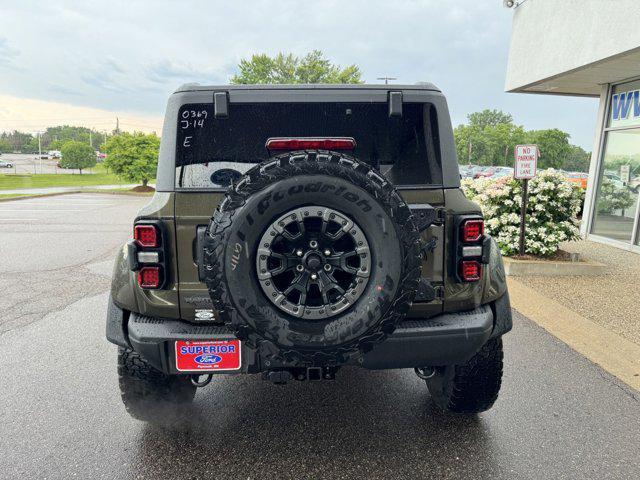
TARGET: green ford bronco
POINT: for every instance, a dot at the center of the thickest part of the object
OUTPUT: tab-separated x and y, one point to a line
299	229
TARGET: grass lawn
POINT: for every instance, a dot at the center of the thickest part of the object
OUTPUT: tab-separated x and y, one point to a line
9	196
100	177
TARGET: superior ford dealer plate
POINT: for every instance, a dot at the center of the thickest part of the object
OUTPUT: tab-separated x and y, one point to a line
207	355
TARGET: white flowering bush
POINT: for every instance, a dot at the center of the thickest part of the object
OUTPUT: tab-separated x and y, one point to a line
552	211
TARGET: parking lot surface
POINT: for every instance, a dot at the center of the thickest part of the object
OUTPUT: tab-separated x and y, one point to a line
28	163
558	416
47	245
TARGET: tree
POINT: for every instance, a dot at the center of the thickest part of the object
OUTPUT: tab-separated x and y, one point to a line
489	139
578	160
77	155
54	137
5	146
489	118
553	145
133	156
312	68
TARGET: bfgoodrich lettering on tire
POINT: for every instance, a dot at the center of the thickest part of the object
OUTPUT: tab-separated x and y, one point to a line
312	258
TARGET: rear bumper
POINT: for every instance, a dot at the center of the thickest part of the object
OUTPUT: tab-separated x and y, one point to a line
447	339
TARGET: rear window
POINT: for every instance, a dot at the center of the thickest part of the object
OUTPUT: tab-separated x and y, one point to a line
213	152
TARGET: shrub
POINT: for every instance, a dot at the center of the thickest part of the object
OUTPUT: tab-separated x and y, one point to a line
552	210
77	155
133	156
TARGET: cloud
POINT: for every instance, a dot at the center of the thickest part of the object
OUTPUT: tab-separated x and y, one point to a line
7	53
177	72
126	55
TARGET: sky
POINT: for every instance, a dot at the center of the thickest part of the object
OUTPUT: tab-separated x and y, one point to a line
88	62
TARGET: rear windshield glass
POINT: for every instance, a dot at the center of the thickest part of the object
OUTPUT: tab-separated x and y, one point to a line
213	152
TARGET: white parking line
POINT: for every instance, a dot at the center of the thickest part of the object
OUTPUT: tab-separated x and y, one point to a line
80	204
38	211
19	219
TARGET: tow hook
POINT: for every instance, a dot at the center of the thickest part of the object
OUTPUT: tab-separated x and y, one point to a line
195	380
425	373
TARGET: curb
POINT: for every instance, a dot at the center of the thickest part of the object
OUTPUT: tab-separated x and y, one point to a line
616	355
105	192
550	268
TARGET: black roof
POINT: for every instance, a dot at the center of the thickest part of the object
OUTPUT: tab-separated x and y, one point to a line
191	87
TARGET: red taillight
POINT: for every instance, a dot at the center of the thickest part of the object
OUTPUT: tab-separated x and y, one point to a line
150	277
146	235
471	271
472	230
311	144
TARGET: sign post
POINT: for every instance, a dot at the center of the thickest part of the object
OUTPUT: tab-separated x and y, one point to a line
526	165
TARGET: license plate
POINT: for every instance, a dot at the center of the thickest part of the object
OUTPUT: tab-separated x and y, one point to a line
207	355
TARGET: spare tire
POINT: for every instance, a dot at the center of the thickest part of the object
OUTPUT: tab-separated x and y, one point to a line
312	258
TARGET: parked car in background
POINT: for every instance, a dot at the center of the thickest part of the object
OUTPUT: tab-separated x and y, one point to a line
578	178
54	153
4	164
614	178
500	172
485	172
467	171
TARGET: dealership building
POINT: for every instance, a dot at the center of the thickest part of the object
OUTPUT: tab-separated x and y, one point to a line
590	48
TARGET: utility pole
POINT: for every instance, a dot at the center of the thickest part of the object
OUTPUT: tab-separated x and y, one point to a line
90	139
40	151
386	79
117	126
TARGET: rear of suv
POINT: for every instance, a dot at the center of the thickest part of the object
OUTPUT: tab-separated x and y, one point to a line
296	230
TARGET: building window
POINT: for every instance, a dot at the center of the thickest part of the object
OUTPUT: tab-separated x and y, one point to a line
616	205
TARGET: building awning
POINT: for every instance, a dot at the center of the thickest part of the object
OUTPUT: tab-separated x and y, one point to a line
587	80
571	47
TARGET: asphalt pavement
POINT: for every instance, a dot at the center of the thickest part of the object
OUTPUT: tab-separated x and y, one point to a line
558	415
28	163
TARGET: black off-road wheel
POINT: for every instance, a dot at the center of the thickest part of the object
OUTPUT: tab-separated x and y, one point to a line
312	258
472	387
148	394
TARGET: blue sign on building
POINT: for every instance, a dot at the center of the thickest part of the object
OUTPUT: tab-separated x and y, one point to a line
625	103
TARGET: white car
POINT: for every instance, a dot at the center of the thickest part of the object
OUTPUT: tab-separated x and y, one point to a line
4	164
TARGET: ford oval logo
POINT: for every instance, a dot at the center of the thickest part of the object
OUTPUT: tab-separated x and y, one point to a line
208	359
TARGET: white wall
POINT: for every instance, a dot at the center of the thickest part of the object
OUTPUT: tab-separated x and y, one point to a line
550	37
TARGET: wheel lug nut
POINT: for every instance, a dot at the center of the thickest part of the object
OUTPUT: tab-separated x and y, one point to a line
299	253
327	267
313	244
314	276
327	252
299	268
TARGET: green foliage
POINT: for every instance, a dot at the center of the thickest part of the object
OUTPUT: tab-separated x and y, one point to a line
5	145
553	145
19	142
578	160
614	162
52	139
133	156
489	118
489	139
552	210
290	69
77	155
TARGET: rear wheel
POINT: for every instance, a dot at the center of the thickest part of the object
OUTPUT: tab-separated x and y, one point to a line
147	393
472	387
